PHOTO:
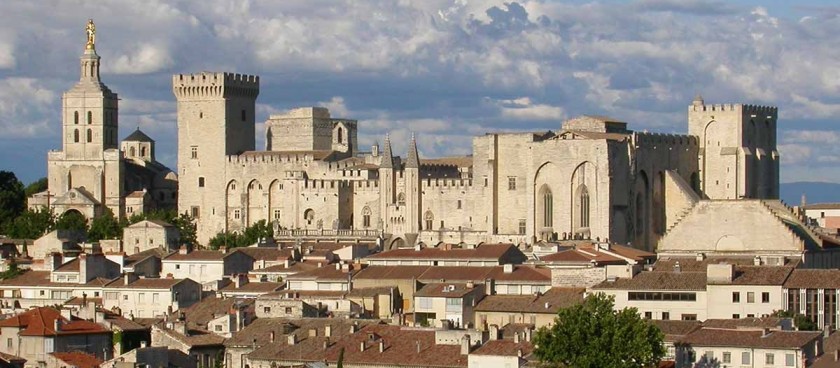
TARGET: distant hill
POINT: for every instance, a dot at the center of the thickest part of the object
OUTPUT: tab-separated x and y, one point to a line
815	192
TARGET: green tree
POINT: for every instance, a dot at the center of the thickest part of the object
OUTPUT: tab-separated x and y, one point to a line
186	228
13	270
593	335
71	220
105	226
32	224
248	236
12	199
801	322
36	186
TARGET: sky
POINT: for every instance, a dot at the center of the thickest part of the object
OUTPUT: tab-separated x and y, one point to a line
446	70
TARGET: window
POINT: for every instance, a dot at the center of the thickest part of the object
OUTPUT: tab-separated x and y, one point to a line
366	217
793	302
309	216
340	135
177	267
736	297
90	118
141	297
76	119
201	182
125	297
401	199
276	214
736	316
143	151
790	360
459	204
429	218
830	308
266	309
769	359
584	206
9	342
76	136
194	152
662	296
765	297
548	209
155	298
522	225
727	357
89	136
666	316
745	358
689	317
750	297
511	183
195	211
218	328
648	315
131	152
710	356
236	214
42	293
244	115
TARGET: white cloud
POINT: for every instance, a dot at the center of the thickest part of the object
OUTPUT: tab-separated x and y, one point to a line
523	108
143	59
24	106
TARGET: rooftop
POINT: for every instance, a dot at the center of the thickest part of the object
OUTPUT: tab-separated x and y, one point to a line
681	281
41	322
813	279
482	252
78	359
750	338
548	302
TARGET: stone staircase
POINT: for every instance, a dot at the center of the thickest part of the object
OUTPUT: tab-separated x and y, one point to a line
787	217
680	217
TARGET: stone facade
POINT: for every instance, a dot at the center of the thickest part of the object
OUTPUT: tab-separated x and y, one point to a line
92	173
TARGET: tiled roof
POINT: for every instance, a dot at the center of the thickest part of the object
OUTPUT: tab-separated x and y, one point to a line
822	206
323	274
254	287
483	252
521	273
444	290
199	314
693	265
71	266
294	267
750	339
144	283
391	272
259	332
504	348
42	278
577	256
675	330
548	302
813	279
196	338
78	359
371	291
460	161
138	136
197	255
681	281
41	322
266	253
632	253
84	301
758	275
401	347
9	358
750	322
831	344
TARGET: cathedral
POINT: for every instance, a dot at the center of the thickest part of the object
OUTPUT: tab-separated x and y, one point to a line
593	178
94	173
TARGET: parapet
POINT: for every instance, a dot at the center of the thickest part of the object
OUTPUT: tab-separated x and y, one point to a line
215	84
766	111
643	138
304	113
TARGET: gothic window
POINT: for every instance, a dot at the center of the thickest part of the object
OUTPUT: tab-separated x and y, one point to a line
459	204
131	152
89	136
340	135
195	211
143	151
276	214
309	216
236	214
75	117
366	217
76	136
583	197
401	199
548	209
90	117
522	225
194	152
429	217
511	183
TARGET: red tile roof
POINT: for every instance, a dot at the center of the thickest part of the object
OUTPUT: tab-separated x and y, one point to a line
197	255
444	290
144	283
687	281
577	256
483	252
504	348
813	279
78	359
41	322
750	338
548	302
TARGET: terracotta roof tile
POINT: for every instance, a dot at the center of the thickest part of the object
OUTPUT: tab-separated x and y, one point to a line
391	272
254	287
687	281
199	314
548	302
266	253
41	322
813	279
504	348
750	339
71	266
675	330
444	290
78	359
483	252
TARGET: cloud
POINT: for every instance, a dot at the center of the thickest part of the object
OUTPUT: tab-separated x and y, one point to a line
794	153
24	104
144	59
524	109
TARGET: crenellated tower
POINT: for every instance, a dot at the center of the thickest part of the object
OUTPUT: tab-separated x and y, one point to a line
215	120
411	176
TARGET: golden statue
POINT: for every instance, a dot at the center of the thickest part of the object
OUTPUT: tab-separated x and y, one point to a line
91	34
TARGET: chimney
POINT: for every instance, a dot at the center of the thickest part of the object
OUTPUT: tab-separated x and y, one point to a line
327	331
465	345
700	257
381	345
271	337
516	338
83	275
286	263
291	339
757	261
240	280
326	343
677	267
54	260
528	332
57	324
837	355
489	286
519	353
494	332
508	268
362	346
183	250
143	344
129	277
418	346
223	249
722	272
353	328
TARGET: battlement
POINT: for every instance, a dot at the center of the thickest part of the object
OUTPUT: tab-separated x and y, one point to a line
366	185
643	138
215	84
271	157
754	109
444	184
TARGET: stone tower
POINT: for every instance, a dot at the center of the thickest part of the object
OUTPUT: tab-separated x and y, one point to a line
89	164
738	156
215	120
412	189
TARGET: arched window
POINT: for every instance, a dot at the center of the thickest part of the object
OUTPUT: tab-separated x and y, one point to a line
401	199
76	136
583	197
90	118
143	151
429	218
89	136
340	135
75	117
366	216
309	216
548	209
131	152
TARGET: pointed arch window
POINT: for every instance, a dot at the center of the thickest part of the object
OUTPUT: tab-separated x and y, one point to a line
75	117
584	206
548	209
366	217
429	218
143	151
340	135
401	199
89	136
309	216
90	117
76	136
132	152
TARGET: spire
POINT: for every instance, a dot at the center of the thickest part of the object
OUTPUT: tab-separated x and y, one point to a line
413	162
90	60
387	157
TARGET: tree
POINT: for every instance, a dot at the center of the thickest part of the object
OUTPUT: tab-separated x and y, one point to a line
593	335
250	235
71	220
186	228
104	226
12	199
36	186
32	224
801	322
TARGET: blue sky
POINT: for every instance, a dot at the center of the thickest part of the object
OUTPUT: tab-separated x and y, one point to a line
445	69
